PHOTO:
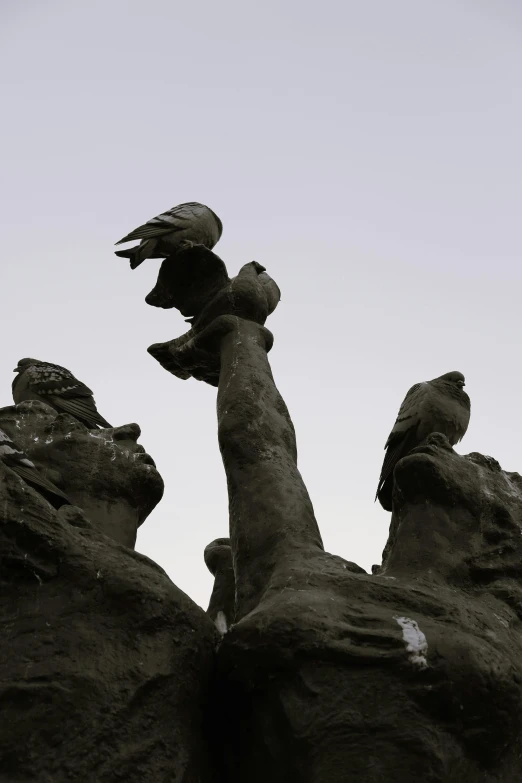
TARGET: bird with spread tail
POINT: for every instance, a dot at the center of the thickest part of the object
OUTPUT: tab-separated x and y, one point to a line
177	229
440	405
19	462
57	387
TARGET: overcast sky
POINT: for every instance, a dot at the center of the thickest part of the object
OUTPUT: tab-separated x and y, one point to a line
367	153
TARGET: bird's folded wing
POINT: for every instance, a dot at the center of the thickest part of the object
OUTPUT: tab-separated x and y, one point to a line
173	220
35	478
82	408
410	410
56	380
72	391
398	446
402	437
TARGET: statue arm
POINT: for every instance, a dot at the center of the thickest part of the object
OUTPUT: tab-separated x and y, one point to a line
271	515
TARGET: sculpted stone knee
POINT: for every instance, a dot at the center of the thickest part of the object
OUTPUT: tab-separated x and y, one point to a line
218	559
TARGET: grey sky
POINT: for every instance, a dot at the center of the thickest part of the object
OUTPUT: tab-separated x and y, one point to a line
367	153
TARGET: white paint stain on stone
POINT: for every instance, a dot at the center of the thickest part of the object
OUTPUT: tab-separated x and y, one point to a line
221	623
415	641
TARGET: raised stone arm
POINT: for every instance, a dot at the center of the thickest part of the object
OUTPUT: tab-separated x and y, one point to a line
271	515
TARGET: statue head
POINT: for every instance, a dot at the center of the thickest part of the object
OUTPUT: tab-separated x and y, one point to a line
103	471
456	517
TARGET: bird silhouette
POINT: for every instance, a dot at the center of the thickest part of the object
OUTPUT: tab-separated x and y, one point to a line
19	462
57	387
179	228
439	405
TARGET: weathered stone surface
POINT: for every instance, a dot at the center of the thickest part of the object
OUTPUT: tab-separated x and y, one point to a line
188	280
251	295
104	472
195	281
218	558
105	666
331	674
305	669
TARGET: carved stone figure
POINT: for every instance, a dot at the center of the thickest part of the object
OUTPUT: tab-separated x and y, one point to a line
105	666
104	472
218	559
330	674
305	669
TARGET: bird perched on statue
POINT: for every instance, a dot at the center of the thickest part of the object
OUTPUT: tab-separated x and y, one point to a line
440	405
20	463
56	386
179	228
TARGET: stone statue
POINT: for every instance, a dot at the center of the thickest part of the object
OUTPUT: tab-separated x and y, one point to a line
105	666
305	669
218	558
104	472
329	674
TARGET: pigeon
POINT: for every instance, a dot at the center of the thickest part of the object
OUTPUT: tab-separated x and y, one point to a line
440	405
179	228
56	386
20	463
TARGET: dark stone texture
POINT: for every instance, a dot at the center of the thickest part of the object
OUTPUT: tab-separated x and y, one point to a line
251	295
331	674
218	558
105	666
104	472
188	280
305	669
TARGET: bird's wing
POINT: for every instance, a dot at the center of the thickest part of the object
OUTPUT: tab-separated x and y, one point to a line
33	477
189	280
47	379
19	462
175	219
65	392
465	414
82	408
410	411
402	438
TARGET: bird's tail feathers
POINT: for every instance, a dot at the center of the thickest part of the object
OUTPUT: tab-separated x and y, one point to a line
136	260
138	253
384	494
55	496
125	253
133	254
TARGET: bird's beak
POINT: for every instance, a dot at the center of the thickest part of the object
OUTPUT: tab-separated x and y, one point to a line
16	369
